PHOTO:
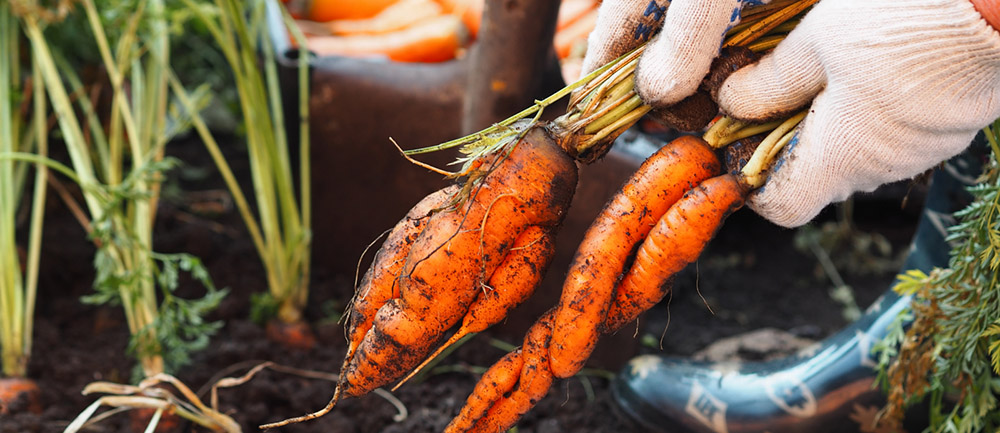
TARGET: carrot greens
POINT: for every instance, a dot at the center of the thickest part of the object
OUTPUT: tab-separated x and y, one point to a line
21	131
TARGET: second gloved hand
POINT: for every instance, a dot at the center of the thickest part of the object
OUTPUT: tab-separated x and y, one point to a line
896	86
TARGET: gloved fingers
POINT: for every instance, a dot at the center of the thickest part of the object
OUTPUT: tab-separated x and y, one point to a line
841	149
621	26
830	157
781	83
678	58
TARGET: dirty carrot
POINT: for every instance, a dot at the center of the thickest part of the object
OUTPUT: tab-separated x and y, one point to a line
510	285
508	403
602	255
678	238
453	257
434	40
397	16
498	380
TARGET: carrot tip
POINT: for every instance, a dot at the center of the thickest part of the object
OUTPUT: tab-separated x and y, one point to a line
309	416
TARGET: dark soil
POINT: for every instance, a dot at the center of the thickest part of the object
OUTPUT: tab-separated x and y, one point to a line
751	277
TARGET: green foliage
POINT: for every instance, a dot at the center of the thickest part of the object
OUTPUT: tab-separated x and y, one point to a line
910	281
263	307
23	130
994	345
181	322
179	328
950	354
281	227
126	269
192	54
118	161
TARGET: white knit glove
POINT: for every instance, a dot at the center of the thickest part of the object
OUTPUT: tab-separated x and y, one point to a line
676	59
896	86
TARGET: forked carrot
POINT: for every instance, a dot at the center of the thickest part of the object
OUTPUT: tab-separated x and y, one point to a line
530	184
683	232
524	185
434	40
679	237
602	255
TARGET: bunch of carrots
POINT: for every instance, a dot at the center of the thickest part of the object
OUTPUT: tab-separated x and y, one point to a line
425	30
464	256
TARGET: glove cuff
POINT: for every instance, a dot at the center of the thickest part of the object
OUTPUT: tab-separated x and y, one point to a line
990	10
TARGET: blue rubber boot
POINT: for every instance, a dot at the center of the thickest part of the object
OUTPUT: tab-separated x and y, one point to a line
827	388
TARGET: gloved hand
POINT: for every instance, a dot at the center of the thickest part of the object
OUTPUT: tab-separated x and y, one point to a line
678	57
896	86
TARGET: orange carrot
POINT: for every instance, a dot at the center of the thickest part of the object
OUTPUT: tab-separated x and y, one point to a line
497	381
506	402
623	223
328	10
677	240
19	394
433	40
397	16
453	257
510	285
574	35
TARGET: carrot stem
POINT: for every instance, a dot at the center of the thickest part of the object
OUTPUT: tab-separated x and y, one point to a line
636	111
754	171
716	134
767	24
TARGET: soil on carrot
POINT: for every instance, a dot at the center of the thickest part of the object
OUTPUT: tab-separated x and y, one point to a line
751	277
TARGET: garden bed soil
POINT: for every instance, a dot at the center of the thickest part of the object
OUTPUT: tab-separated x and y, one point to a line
751	277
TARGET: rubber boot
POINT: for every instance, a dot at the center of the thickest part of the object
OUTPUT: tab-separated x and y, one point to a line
828	387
